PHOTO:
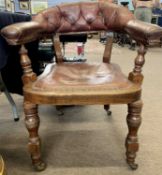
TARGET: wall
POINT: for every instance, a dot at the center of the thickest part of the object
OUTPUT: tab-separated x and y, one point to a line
2	4
130	5
52	2
55	2
17	7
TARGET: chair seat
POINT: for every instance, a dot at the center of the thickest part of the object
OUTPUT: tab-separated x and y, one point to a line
65	83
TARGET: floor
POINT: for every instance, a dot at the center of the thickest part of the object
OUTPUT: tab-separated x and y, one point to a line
85	140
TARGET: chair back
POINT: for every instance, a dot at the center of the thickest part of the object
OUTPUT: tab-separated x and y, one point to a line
84	16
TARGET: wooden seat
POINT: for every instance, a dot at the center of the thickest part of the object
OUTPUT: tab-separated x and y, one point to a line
82	83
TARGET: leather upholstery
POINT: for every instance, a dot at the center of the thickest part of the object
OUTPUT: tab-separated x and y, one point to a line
79	17
23	32
82	75
84	17
81	80
151	32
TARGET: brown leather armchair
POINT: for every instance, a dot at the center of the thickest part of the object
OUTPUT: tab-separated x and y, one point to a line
82	83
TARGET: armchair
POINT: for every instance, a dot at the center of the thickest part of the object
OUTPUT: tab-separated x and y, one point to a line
82	83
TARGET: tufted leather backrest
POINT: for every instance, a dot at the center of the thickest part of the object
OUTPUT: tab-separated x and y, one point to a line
80	17
84	16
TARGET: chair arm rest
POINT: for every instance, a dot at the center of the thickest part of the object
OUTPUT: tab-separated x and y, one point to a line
143	32
21	33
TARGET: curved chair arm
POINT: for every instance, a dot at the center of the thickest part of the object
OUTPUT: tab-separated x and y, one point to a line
143	32
21	33
62	19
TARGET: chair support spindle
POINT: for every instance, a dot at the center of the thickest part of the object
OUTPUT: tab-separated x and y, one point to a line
57	48
136	75
28	74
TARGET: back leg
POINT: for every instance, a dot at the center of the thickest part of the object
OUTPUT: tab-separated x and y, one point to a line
107	107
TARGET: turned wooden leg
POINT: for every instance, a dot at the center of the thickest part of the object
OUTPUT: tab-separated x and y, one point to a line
133	121
107	107
32	125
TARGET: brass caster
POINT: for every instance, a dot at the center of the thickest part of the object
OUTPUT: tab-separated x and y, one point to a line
16	119
40	166
109	113
133	166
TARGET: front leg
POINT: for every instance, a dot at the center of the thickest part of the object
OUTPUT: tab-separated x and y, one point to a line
133	121
34	145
